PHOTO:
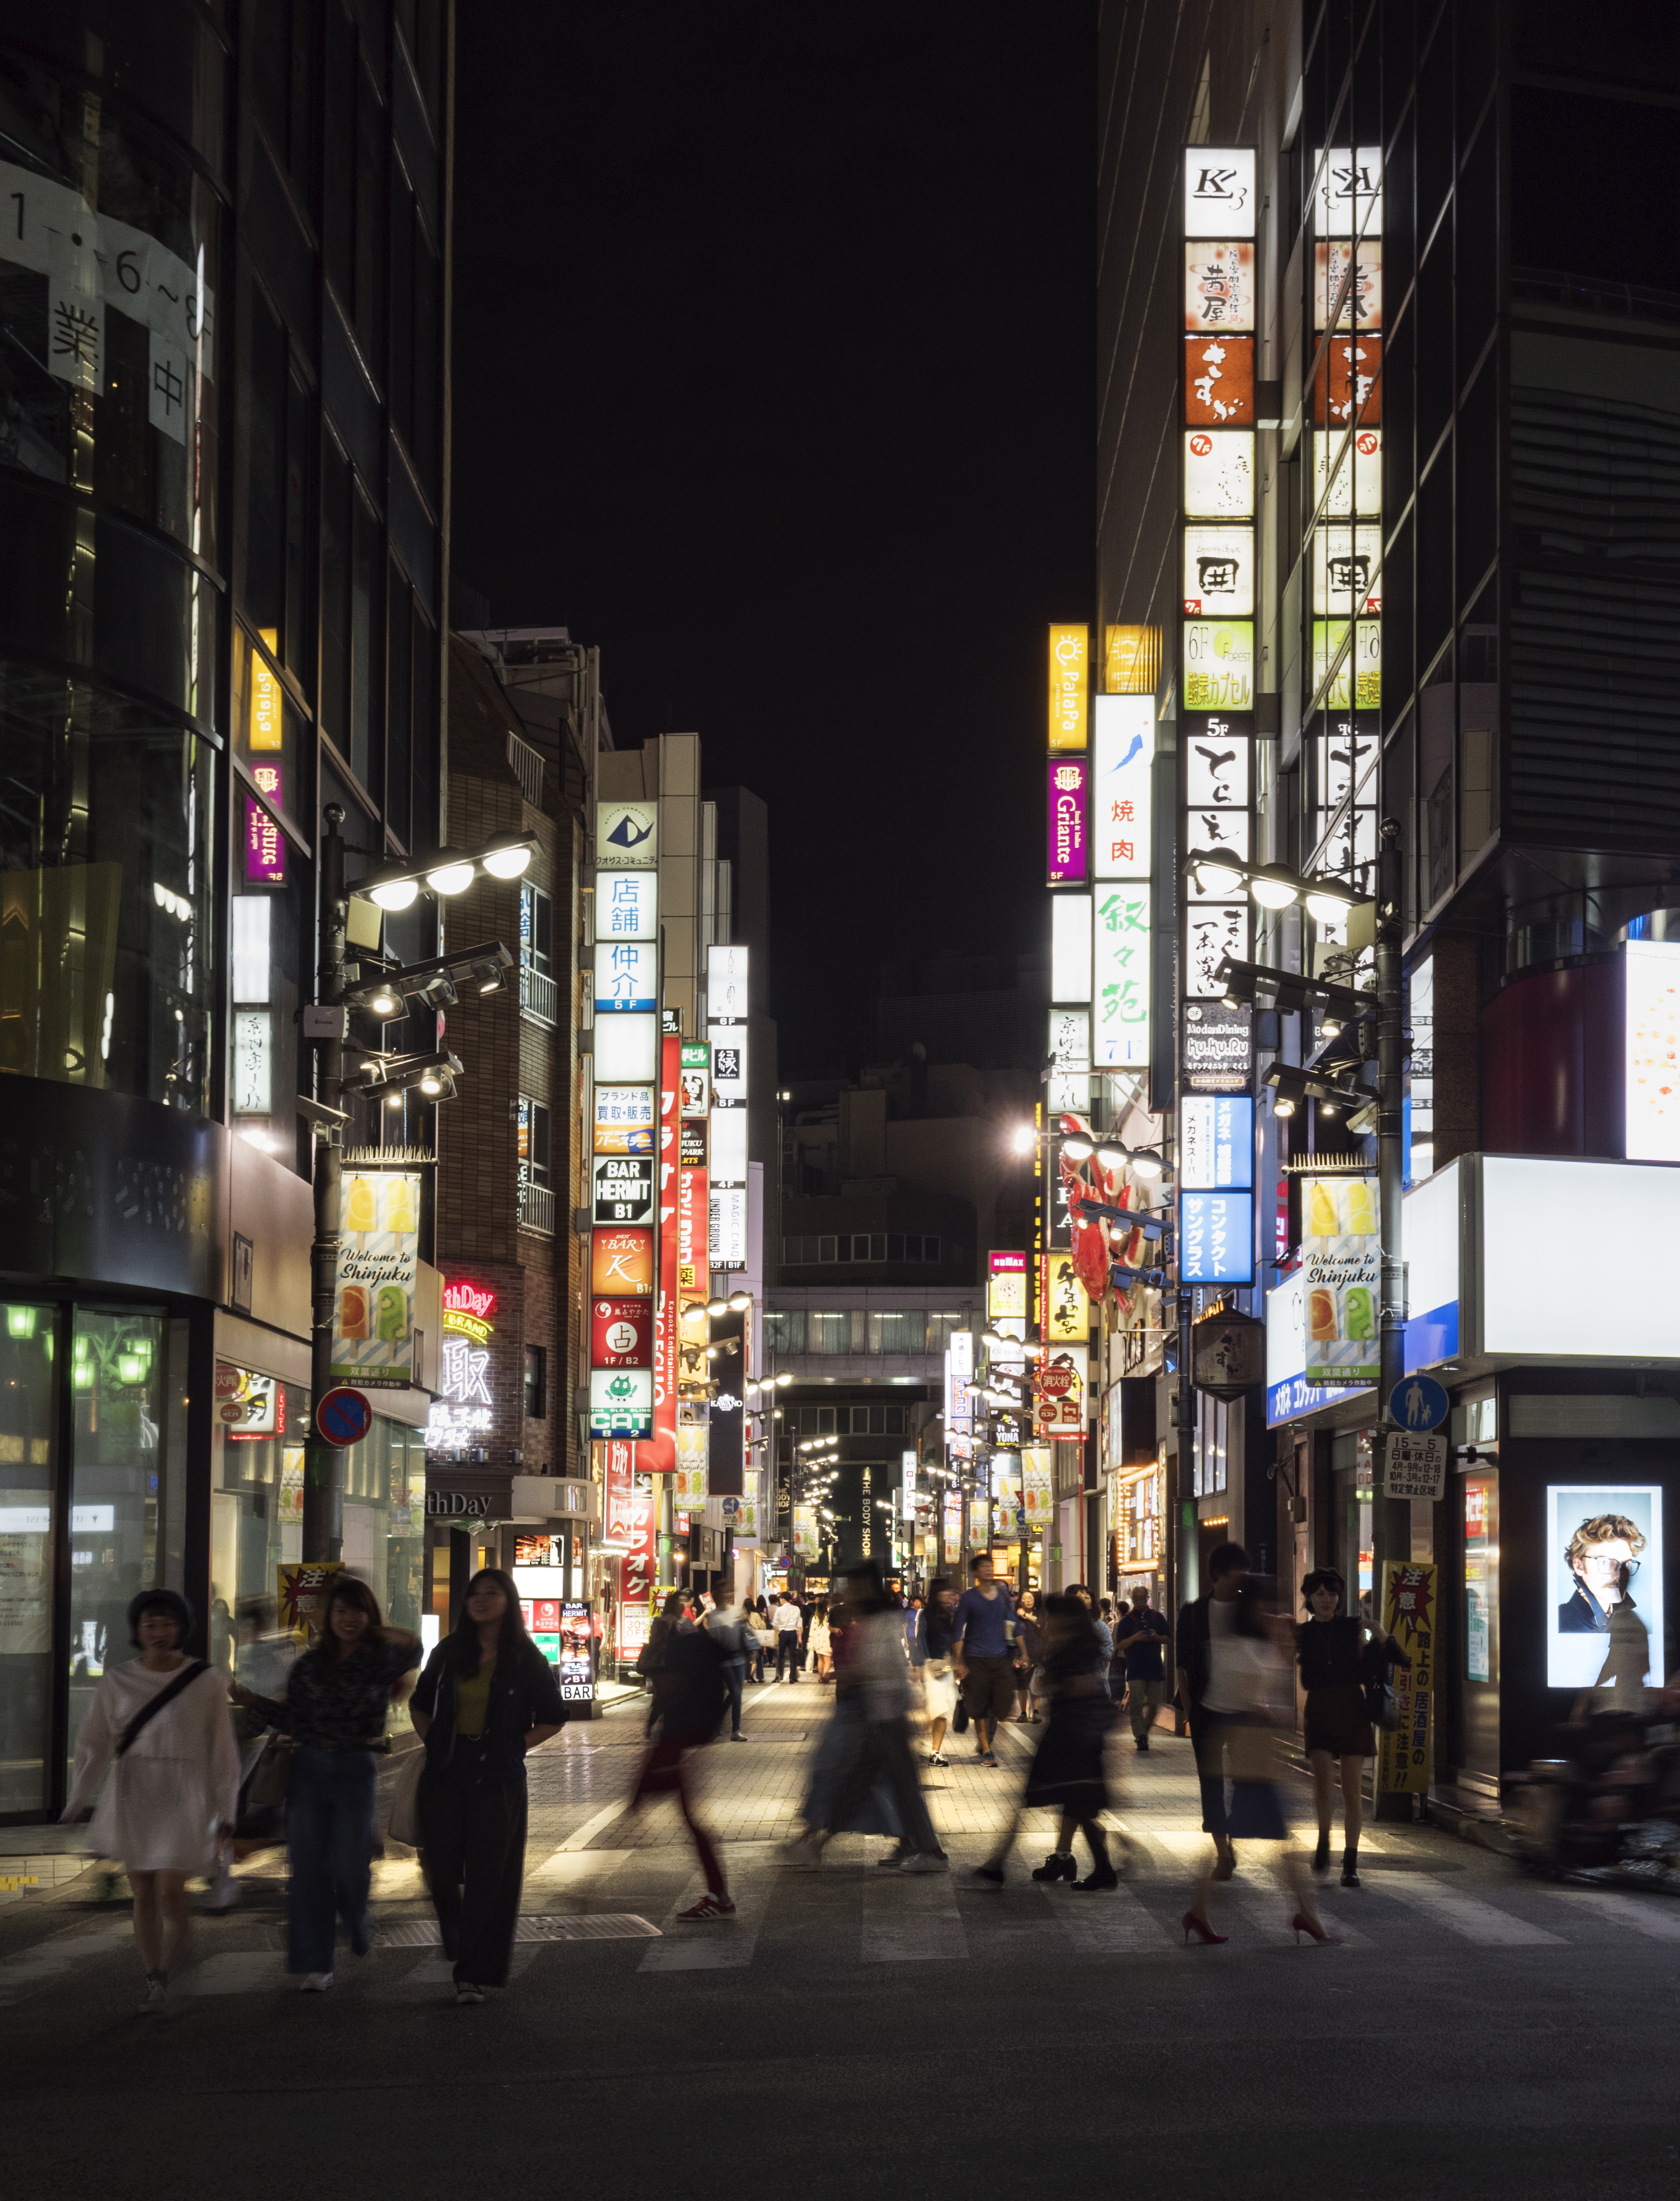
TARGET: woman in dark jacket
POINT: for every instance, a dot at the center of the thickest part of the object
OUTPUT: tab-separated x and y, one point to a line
487	1696
1067	1770
1336	1665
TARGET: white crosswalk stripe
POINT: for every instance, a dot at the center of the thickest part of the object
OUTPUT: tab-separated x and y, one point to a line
1654	1917
1467	1915
49	1960
717	1945
1113	1923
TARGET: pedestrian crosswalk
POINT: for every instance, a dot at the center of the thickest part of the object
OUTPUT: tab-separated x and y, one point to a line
623	1909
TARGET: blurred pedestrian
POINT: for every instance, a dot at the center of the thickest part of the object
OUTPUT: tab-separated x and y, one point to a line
1331	1647
1202	1622
660	1629
937	1676
763	1636
690	1695
1105	1638
337	1695
1067	1770
821	1656
877	1681
983	1652
786	1623
159	1726
1141	1640
1249	1681
727	1627
1029	1653
486	1697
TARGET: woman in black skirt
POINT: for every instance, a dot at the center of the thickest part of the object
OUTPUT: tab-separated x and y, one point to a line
1334	1652
1066	1769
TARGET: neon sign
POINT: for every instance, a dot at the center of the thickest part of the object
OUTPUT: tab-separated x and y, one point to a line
467	1309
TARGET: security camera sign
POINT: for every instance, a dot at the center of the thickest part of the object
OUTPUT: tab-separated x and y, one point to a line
624	1189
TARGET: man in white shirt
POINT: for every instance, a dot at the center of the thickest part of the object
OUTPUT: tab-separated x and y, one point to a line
788	1637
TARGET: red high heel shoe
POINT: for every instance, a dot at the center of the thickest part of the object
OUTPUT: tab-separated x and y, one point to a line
1200	1929
1306	1926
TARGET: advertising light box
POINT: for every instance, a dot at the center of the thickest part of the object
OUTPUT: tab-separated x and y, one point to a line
1216	1142
1065	860
1219	191
1216	1237
1218	665
627	837
627	1047
1348	473
1122	760
1120	995
1069	686
1219	564
621	1333
621	1263
1216	760
625	1119
622	1187
1219	290
728	1063
1632	1210
626	907
1070	947
1218	473
1594	1530
729	1146
627	977
621	1402
726	983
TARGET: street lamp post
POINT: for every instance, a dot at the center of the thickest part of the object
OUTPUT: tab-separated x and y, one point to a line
323	1488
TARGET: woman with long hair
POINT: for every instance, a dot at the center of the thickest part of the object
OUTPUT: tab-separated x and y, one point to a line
159	1725
1029	1653
1334	1650
487	1697
1248	1681
337	1695
821	1655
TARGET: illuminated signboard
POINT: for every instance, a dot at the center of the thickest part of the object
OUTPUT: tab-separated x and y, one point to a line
626	907
620	1263
627	1047
1219	569
1006	1286
622	1187
264	847
1065	861
1216	1142
1215	1238
727	984
1122	762
1120	977
1070	947
627	837
1069	683
469	1310
1219	191
621	1402
625	1119
1651	987
627	977
1132	660
1218	473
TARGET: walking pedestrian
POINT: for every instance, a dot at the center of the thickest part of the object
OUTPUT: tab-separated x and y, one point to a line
821	1655
727	1627
763	1636
1249	1682
981	1652
1105	1638
1066	1769
486	1697
876	1669
159	1726
1141	1639
1332	1646
337	1695
690	1694
1202	1622
1029	1653
787	1638
938	1678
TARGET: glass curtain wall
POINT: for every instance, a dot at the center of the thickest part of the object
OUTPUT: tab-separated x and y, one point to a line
29	1501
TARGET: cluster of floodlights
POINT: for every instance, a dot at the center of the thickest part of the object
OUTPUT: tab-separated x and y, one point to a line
1273	886
399	885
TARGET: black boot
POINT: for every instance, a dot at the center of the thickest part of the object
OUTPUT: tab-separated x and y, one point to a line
1321	1854
1102	1874
1350	1866
1058	1865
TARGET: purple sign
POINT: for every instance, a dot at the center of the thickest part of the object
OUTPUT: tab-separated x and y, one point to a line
264	847
1065	813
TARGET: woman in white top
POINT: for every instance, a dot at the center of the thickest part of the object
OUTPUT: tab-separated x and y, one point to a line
174	1782
818	1643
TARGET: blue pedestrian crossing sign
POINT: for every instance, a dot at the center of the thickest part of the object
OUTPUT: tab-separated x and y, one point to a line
1418	1402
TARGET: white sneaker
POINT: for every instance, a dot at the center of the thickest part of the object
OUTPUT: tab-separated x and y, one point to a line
226	1892
316	1982
155	1993
922	1862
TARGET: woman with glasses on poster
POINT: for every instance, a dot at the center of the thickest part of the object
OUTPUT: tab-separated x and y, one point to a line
1598	1551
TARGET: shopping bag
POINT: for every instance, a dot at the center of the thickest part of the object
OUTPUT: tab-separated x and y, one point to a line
404	1823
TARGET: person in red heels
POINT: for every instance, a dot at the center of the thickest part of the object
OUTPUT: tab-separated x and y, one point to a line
1250	1672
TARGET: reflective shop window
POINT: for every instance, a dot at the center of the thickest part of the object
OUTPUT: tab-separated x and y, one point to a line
105	884
256	1518
28	1502
110	366
785	1331
128	1395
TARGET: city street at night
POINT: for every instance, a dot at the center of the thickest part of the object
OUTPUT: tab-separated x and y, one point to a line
865	2027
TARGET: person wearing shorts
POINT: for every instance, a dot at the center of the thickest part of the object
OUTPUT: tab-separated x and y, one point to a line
983	1653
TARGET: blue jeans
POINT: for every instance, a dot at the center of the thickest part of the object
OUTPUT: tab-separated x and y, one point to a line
330	1838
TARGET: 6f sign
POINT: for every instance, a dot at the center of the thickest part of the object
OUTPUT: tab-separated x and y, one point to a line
624	1189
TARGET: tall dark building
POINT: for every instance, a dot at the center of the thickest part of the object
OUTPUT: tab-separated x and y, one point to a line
1387	476
223	282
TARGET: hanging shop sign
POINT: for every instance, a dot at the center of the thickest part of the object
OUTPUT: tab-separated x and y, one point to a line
728	973
621	1334
1132	660
1215	1238
1006	1286
622	1188
1409	1614
249	1405
1342	1269
1122	784
620	1263
625	1119
1216	1143
1227	1354
627	977
1120	976
621	1402
626	907
379	1254
696	1068
1066	861
1065	1317
627	837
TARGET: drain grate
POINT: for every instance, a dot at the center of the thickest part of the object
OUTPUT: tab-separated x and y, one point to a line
534	1926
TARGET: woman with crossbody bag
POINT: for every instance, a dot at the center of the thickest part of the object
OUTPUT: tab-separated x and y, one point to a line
159	1725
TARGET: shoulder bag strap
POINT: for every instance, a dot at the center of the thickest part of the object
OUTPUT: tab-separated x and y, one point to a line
149	1712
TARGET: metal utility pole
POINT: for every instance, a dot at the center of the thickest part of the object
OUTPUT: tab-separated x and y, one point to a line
323	1487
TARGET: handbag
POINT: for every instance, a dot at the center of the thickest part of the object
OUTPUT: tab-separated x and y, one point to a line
959	1718
403	1824
1382	1702
1253	1751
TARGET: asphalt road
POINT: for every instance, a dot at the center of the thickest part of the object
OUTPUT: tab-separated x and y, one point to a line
1471	2033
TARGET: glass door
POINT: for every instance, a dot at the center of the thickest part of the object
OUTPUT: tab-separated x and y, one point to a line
29	1505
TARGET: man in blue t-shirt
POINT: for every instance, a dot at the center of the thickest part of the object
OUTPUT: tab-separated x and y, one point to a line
982	1653
1142	1638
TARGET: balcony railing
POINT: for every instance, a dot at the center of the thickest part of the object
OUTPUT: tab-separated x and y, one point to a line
539	996
537	1207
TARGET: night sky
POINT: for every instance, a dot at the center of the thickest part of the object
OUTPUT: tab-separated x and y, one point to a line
773	376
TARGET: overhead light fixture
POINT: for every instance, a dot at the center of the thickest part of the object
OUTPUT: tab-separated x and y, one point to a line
385	1001
1023	1138
451	878
507	856
740	1301
1273	888
1078	1150
1111	1158
395	894
395	885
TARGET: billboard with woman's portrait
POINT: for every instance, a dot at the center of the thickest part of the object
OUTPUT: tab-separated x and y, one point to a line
1593	1530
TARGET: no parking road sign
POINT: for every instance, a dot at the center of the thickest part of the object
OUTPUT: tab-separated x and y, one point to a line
343	1417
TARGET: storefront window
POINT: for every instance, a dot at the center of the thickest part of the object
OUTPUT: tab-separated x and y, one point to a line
29	1496
128	1481
256	1503
385	1524
105	883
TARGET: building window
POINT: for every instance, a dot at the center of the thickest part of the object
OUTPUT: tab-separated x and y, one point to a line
785	1332
536	1193
539	995
536	1384
942	1327
860	1246
898	1333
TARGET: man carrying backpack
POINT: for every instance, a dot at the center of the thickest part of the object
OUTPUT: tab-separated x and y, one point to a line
689	1694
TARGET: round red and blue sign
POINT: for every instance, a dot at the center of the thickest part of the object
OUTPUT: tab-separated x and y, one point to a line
343	1417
